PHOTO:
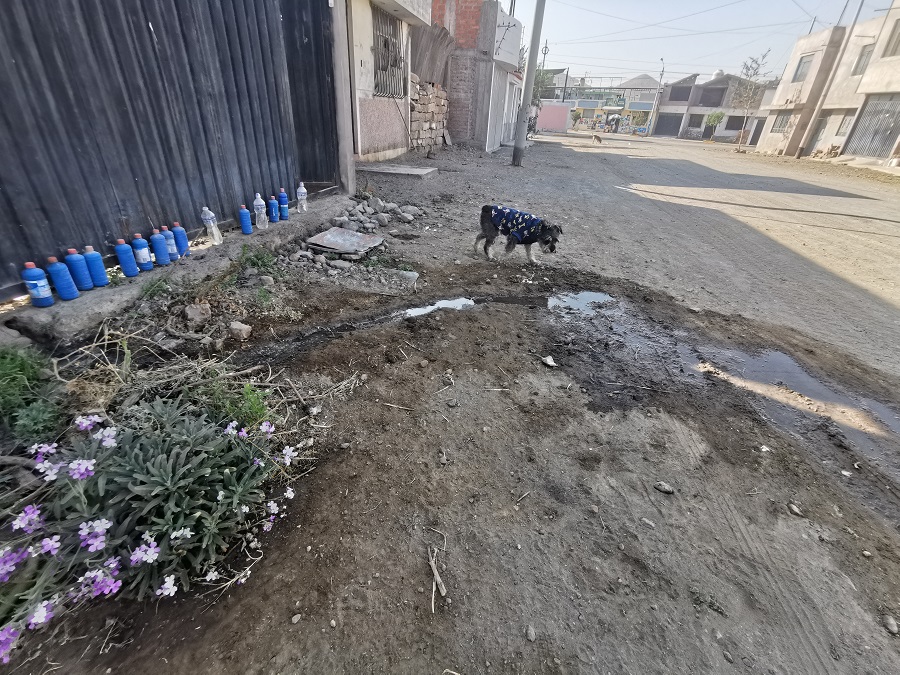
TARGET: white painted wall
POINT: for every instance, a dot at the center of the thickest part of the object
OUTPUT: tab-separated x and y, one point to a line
883	74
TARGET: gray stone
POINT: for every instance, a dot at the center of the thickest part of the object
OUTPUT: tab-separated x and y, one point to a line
340	221
198	314
376	204
405	218
321	259
530	633
301	254
296	618
890	624
218	345
240	331
13	338
664	487
368	210
382	219
411	210
267	281
340	264
391	206
251	272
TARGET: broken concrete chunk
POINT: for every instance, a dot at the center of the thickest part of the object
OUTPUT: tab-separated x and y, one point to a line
405	218
548	361
340	264
266	280
340	221
382	219
411	210
375	204
664	487
198	314
530	633
240	331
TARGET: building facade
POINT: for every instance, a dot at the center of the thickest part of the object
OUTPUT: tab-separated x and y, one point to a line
685	106
860	112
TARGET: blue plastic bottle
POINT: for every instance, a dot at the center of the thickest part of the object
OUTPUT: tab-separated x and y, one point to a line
142	252
160	248
283	212
125	254
38	287
171	246
244	217
181	240
273	209
95	266
78	269
62	279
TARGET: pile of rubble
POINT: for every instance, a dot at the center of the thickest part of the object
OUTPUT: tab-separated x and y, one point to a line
371	212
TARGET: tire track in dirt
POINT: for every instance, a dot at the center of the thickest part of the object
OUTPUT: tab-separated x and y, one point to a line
795	624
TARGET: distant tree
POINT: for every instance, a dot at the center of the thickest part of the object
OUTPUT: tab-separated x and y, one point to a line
748	92
576	116
714	119
543	87
639	118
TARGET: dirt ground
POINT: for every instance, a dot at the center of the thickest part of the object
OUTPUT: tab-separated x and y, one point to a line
739	346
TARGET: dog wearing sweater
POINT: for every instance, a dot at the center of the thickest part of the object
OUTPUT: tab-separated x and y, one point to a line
519	227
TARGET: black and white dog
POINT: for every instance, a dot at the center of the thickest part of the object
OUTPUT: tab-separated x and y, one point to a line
519	227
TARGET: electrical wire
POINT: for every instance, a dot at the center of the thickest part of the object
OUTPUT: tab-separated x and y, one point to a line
734	31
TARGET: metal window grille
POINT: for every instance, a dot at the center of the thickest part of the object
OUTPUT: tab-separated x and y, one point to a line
802	68
863	61
893	45
781	122
390	61
844	127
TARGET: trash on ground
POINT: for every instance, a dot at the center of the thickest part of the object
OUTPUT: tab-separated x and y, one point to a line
341	240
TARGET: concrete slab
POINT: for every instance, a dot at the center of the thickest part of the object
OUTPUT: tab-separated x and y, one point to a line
399	169
67	322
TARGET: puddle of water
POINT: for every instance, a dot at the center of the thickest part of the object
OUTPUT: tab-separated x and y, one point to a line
456	303
583	302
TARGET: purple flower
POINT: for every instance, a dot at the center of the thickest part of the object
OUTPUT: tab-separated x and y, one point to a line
9	560
168	587
230	429
112	564
257	461
81	469
98	582
289	493
288	454
87	423
41	615
8	637
43	449
49	469
183	533
29	520
107	437
267	526
50	544
243	433
93	534
267	428
145	553
272	506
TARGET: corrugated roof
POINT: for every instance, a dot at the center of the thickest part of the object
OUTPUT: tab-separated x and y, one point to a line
640	82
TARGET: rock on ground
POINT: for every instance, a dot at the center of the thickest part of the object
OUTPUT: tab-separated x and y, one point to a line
240	331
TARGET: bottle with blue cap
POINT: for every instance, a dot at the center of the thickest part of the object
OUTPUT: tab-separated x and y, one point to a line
125	254
302	196
181	239
283	212
159	247
38	287
78	269
62	279
142	252
244	218
95	266
171	246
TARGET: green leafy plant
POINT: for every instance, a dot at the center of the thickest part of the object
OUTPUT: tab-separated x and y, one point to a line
260	258
154	289
224	404
263	297
37	421
20	374
714	119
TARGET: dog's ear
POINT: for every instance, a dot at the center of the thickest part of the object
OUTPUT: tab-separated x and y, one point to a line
558	228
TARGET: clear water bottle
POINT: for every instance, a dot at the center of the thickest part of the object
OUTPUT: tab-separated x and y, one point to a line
301	198
212	229
259	207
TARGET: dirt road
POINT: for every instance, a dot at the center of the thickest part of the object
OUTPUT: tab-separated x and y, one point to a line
771	415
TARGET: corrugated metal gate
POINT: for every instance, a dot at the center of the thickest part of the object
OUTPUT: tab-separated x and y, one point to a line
116	114
668	124
876	131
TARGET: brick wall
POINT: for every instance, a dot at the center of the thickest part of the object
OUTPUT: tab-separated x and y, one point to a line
461	76
428	114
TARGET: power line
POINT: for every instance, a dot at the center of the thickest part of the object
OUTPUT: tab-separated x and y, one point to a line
649	25
803	10
735	31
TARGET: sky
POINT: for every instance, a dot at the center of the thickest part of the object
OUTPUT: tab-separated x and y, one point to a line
610	41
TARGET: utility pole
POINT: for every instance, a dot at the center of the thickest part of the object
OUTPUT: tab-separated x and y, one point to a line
565	85
522	124
545	51
811	26
512	7
659	91
813	122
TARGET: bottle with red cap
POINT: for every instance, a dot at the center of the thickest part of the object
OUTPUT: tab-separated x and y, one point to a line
171	246
159	247
79	270
62	279
141	252
181	240
125	254
95	266
38	287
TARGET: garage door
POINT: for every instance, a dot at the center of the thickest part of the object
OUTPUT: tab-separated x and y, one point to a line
877	129
669	124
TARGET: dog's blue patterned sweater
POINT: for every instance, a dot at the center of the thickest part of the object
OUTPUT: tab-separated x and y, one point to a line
524	226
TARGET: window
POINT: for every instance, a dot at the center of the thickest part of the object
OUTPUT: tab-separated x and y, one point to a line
390	66
695	121
802	68
893	45
679	93
734	123
781	122
844	127
863	61
711	98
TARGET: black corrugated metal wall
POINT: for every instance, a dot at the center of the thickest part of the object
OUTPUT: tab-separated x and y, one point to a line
118	113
